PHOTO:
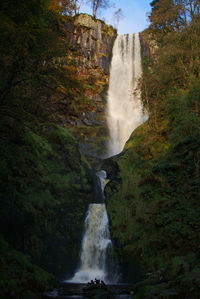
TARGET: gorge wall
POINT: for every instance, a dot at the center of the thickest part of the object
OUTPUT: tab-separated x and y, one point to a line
90	50
46	182
95	40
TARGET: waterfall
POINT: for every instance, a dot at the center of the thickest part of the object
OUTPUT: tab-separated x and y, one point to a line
124	108
96	242
124	114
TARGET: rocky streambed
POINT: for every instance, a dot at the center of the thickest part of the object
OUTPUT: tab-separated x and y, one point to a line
101	291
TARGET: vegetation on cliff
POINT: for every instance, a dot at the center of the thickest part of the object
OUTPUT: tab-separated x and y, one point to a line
46	182
153	201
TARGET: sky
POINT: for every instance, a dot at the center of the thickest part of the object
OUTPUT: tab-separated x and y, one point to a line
134	15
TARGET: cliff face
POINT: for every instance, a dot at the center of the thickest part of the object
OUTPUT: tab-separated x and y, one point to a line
148	46
88	58
95	40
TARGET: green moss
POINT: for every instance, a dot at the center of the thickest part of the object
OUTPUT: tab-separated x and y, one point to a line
153	200
19	277
46	187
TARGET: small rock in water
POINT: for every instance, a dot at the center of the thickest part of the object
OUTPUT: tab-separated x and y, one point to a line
97	289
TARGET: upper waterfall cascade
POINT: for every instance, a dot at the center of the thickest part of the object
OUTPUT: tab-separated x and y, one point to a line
124	107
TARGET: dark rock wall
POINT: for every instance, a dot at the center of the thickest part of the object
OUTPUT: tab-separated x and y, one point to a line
95	40
145	47
83	109
148	46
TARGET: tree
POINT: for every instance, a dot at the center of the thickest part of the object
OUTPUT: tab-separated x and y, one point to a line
98	4
179	12
175	62
166	16
190	9
73	6
66	7
153	3
76	4
117	16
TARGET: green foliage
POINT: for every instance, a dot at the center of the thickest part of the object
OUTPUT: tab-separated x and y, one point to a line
18	276
176	51
153	202
45	183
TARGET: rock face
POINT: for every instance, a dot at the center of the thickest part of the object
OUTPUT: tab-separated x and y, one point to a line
88	58
148	46
145	46
95	40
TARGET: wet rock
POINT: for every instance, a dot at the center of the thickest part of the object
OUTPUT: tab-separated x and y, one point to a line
148	45
169	293
99	109
97	289
111	167
95	39
87	122
79	123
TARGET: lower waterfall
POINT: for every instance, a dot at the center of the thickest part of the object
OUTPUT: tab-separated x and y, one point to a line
96	243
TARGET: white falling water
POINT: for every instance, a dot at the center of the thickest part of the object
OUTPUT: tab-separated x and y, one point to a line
96	242
124	115
124	108
102	175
